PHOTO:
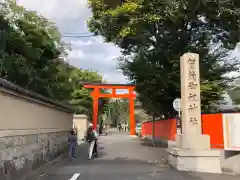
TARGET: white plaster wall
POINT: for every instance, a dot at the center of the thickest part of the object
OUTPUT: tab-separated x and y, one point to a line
81	125
20	115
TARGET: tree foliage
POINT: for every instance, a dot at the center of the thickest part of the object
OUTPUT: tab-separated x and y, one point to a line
32	52
80	96
118	111
153	34
234	92
33	56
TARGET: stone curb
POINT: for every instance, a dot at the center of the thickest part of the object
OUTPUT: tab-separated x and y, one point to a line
38	173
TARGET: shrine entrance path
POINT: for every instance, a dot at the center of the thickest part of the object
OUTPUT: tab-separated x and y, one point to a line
124	157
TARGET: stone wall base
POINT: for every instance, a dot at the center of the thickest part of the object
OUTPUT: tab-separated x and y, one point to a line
20	155
207	161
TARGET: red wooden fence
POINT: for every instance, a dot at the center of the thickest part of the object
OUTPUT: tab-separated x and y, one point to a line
166	129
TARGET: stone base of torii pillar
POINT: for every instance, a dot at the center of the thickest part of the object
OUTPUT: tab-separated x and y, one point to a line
192	151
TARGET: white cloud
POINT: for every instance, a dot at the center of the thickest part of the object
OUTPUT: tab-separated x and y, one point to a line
76	54
87	53
114	78
77	43
57	9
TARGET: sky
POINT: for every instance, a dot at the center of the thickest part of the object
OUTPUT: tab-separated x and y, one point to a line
88	53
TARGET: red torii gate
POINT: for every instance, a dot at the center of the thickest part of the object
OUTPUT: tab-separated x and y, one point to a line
96	94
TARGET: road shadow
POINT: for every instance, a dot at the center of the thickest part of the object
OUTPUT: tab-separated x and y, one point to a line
160	146
82	153
149	143
115	161
101	150
117	167
150	170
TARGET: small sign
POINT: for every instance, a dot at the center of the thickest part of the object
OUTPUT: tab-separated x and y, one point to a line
176	104
179	125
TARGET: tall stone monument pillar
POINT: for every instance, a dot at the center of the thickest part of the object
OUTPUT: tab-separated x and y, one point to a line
192	151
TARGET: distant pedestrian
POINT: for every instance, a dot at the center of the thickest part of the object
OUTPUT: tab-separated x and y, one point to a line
125	127
119	127
95	147
105	129
72	142
98	128
122	126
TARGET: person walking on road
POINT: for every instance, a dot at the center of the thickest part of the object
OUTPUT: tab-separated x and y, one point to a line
72	142
92	139
119	127
125	127
95	147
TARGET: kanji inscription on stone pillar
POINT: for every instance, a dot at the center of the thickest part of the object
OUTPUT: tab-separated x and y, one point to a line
192	151
190	93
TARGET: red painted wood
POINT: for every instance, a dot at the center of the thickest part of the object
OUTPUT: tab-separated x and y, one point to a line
96	95
166	129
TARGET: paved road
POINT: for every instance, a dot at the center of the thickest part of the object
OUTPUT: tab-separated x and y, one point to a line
124	158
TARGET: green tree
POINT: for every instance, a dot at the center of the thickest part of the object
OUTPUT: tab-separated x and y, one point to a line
118	111
33	56
33	52
234	92
80	97
154	34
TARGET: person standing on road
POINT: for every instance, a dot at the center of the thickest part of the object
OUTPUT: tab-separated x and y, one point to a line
95	147
105	129
72	142
119	127
125	127
91	138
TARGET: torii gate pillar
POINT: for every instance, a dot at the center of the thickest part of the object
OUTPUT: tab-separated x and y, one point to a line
95	97
131	112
